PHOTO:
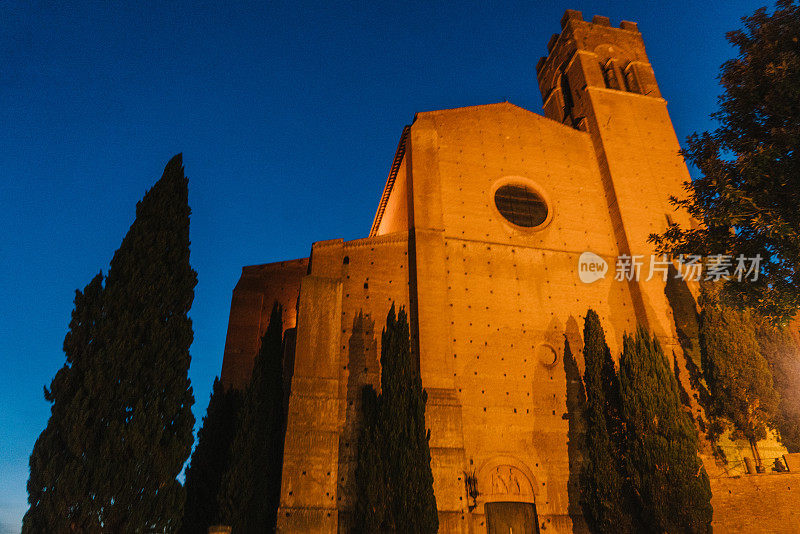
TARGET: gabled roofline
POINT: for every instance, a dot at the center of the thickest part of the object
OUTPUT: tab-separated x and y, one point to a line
401	150
475	106
387	189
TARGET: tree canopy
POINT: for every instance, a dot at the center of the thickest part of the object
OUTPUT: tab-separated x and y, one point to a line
62	474
372	503
605	492
393	472
747	194
782	352
661	459
738	376
122	404
250	491
210	459
641	471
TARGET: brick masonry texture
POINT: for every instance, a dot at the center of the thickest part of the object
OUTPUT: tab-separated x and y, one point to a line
491	304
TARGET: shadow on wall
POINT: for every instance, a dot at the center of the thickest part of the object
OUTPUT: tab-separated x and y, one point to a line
363	367
687	327
363	362
288	348
576	403
684	312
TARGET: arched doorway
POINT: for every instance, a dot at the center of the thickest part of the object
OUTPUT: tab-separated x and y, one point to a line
511	518
508	491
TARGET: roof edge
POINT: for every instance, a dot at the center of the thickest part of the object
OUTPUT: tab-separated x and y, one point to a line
387	189
463	108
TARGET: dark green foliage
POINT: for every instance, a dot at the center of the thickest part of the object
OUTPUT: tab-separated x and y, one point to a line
146	337
210	459
606	500
372	504
751	165
782	353
61	476
406	447
686	400
613	402
129	407
250	491
641	470
661	453
739	380
395	438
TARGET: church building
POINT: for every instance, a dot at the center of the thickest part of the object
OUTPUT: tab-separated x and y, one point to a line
481	231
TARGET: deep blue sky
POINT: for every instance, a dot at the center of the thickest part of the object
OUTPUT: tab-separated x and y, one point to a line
287	116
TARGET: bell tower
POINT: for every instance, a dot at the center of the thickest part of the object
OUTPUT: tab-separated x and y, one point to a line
597	78
592	55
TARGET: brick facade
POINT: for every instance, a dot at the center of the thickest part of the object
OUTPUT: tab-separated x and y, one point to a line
491	304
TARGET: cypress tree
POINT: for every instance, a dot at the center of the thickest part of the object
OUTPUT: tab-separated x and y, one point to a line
738	377
210	459
406	449
371	511
782	353
393	449
122	404
59	487
662	443
250	491
604	493
145	337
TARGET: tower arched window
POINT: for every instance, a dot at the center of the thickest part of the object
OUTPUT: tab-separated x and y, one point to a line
566	95
609	74
629	77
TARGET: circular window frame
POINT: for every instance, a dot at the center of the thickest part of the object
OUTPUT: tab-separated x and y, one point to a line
539	190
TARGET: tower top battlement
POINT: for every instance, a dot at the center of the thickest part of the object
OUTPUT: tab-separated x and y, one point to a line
572	14
592	55
573	19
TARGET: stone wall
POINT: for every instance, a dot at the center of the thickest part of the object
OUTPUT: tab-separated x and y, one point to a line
498	302
756	503
492	305
344	301
259	287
